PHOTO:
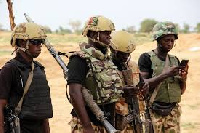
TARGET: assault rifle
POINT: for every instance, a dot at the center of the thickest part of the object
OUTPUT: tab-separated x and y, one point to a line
11	120
109	128
137	115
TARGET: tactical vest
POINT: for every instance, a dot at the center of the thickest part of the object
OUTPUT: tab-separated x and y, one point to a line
103	80
169	90
37	101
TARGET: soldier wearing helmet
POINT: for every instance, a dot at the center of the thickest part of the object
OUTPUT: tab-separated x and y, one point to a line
92	68
23	84
122	45
167	79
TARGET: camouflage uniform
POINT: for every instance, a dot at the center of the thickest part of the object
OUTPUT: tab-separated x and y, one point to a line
102	79
167	124
106	74
76	126
168	92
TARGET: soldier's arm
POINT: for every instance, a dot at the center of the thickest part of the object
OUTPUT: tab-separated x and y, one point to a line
46	128
2	106
76	75
183	73
154	81
79	104
145	63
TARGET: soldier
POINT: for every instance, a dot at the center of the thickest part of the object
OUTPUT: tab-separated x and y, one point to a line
166	78
23	84
121	47
93	69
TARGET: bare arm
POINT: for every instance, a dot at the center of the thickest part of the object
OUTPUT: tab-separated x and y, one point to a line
2	105
75	92
46	128
154	81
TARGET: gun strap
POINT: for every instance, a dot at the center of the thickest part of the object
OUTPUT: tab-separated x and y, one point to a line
26	88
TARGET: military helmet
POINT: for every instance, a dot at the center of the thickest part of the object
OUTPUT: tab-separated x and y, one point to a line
122	41
98	23
27	31
164	28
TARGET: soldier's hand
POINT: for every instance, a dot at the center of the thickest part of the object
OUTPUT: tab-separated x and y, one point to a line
131	89
144	89
170	71
183	71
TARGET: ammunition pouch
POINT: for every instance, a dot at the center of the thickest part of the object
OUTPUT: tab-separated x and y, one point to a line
162	109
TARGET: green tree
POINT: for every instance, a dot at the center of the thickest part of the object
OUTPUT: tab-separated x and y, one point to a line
62	30
131	29
186	28
75	26
197	28
147	25
47	29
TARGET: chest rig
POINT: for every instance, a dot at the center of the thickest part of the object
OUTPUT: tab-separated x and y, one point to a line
169	90
103	80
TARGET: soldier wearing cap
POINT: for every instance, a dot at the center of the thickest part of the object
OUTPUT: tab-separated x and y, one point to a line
23	83
92	68
166	78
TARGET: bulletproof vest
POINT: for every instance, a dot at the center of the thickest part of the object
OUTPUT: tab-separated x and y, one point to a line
103	80
37	101
169	90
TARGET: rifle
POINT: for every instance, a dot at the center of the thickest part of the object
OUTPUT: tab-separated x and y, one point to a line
86	95
10	9
146	125
11	119
138	118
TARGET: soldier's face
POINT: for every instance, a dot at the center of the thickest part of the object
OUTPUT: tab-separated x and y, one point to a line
104	37
167	42
35	47
123	57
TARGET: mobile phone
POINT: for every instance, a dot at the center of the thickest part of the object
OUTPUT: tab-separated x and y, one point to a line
184	63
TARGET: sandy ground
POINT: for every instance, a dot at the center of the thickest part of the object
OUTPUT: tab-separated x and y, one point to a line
190	122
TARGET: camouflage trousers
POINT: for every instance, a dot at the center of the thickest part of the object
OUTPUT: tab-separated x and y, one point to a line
76	127
167	124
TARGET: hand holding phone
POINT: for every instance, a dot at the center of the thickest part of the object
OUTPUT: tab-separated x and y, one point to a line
183	63
183	69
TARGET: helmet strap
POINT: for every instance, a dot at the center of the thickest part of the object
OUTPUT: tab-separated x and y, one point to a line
27	48
97	41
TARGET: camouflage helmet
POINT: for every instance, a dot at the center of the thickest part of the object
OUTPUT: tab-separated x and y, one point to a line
164	28
98	23
122	41
27	31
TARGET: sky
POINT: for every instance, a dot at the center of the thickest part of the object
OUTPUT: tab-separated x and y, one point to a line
55	13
